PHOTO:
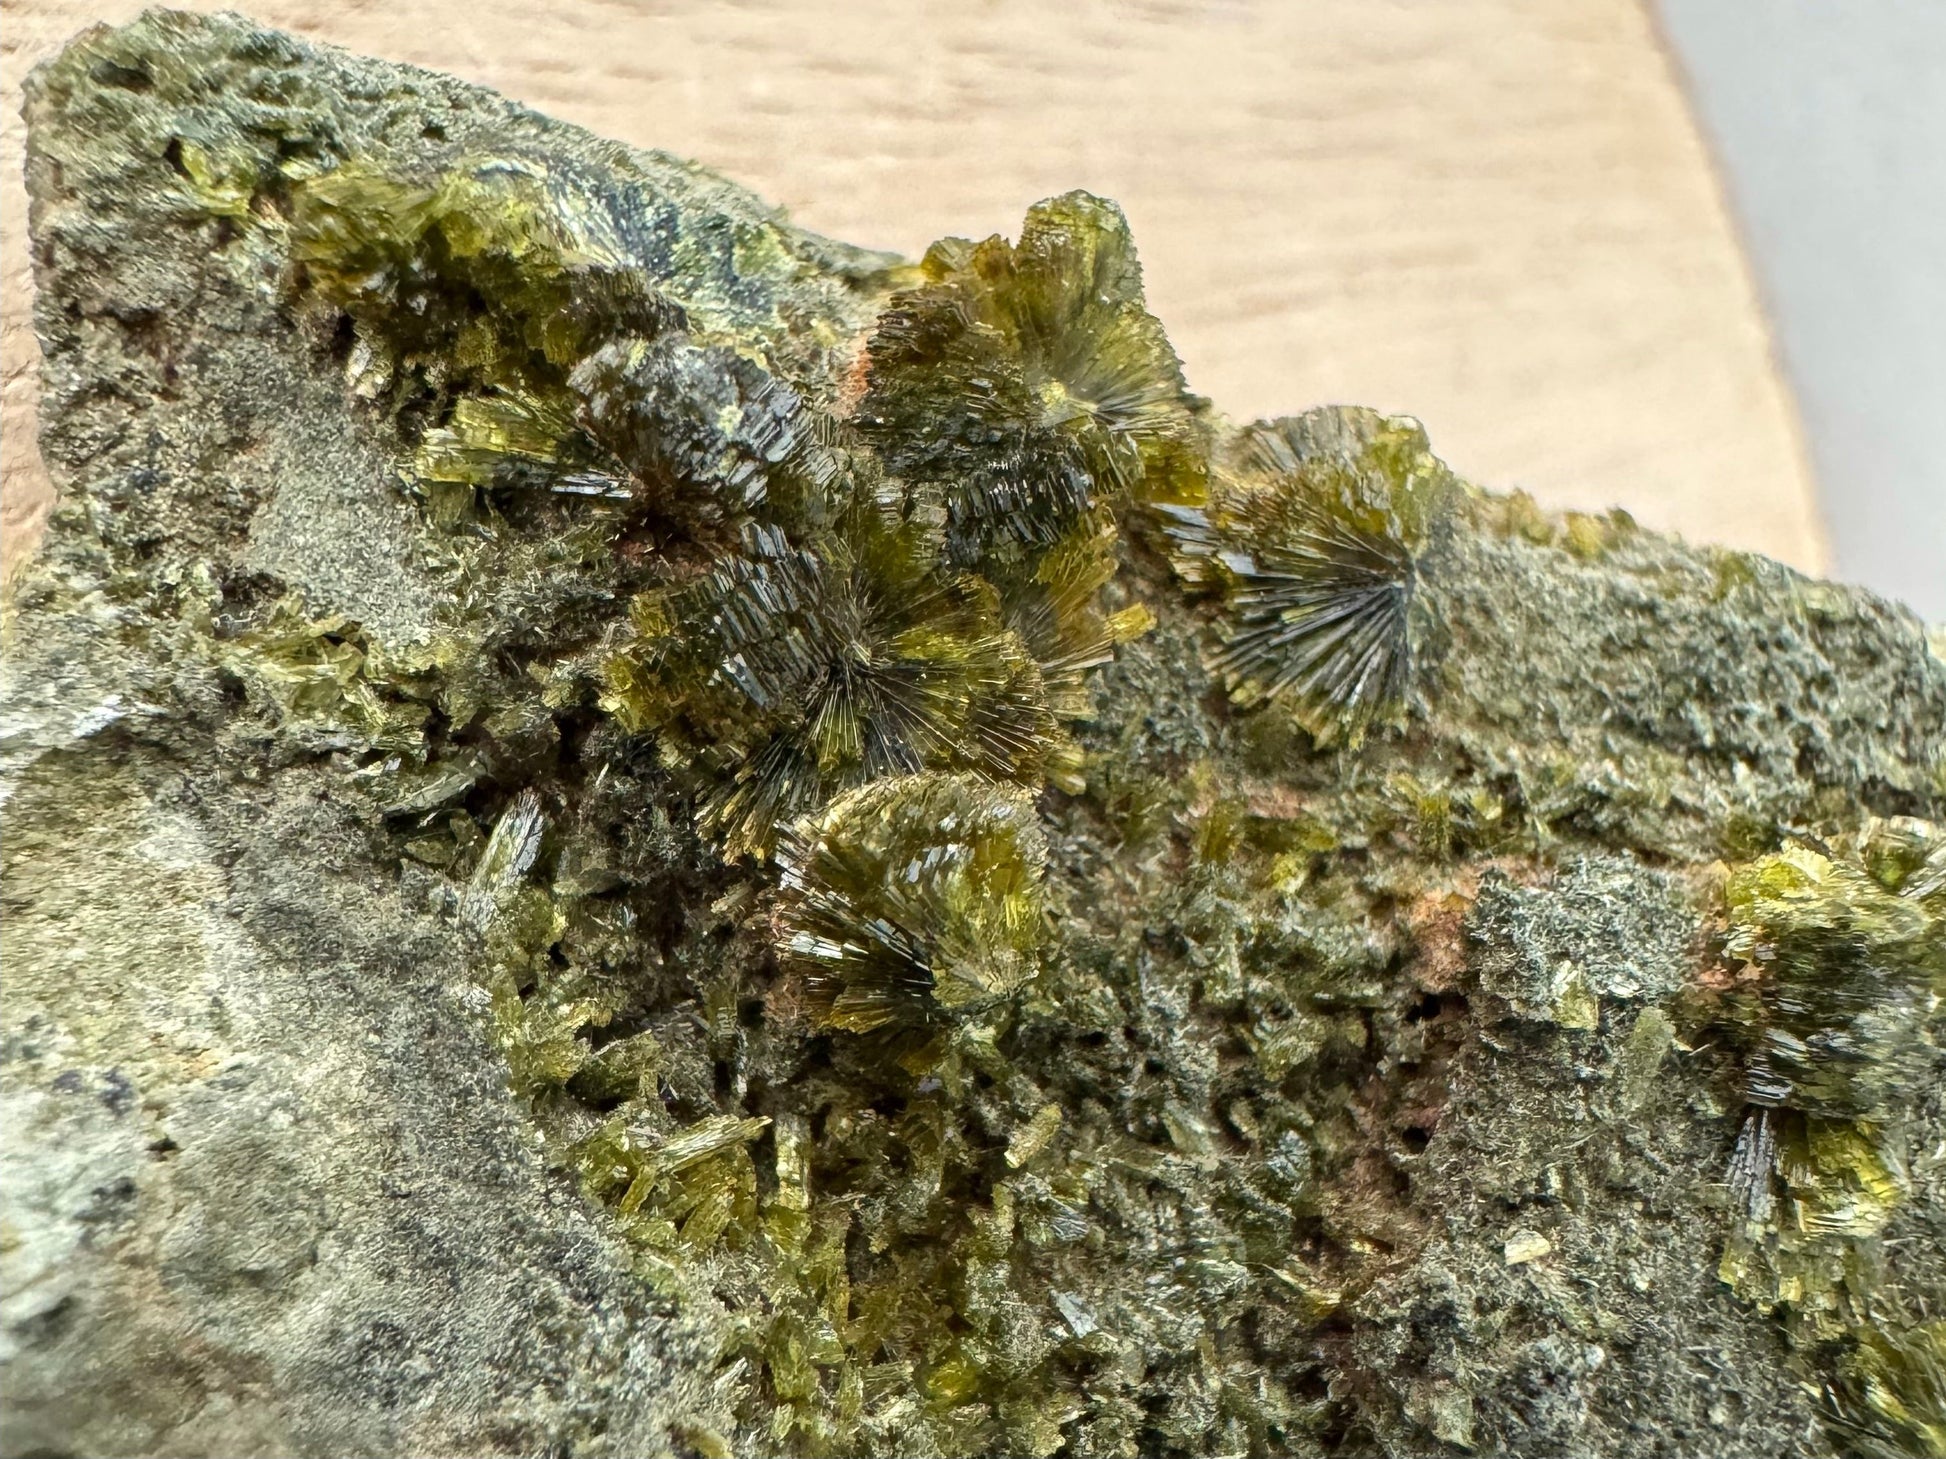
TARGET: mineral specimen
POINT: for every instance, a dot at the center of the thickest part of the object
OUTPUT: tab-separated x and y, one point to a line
633	832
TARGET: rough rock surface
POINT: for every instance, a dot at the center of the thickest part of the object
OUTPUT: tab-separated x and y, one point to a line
281	1176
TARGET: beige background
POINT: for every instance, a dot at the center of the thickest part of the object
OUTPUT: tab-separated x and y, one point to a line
1493	214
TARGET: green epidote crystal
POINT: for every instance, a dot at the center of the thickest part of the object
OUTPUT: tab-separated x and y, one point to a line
484	286
912	899
1848	953
1852	963
996	911
1312	539
1026	382
1890	1399
787	673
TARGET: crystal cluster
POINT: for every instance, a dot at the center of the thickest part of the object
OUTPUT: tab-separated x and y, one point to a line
967	1160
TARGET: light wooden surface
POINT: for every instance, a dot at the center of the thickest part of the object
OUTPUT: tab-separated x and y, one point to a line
1493	214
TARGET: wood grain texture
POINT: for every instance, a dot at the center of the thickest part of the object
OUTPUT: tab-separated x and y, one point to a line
1493	214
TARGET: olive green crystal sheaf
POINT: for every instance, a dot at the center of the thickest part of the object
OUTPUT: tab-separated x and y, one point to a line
1053	603
1026	383
912	900
484	287
515	311
1311	540
684	417
1852	967
1889	1400
1846	947
788	673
